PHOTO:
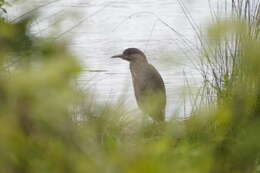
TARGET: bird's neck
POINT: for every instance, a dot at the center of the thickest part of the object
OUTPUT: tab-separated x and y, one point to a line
139	62
138	59
137	67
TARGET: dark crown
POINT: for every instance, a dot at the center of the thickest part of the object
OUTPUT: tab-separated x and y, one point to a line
131	51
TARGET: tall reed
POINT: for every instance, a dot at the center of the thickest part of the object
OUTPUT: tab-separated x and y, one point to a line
220	64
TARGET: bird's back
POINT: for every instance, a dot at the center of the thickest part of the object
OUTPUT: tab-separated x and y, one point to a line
149	90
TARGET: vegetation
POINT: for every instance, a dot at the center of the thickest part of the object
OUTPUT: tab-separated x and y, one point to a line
221	62
40	105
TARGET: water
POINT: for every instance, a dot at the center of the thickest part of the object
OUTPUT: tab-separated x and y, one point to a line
104	28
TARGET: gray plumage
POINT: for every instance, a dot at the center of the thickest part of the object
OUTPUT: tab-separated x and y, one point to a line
148	84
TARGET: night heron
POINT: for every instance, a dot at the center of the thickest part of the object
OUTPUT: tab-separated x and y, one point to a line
148	84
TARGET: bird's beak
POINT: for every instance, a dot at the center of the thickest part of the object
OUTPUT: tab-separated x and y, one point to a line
118	56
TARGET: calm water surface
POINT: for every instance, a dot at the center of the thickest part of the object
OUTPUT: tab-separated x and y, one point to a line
104	28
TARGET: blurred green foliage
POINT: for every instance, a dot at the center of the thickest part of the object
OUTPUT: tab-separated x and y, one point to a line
40	103
36	93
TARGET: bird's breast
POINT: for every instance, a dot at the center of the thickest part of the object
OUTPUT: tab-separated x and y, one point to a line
138	73
138	77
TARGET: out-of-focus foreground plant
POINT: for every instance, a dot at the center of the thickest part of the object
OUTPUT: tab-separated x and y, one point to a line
36	96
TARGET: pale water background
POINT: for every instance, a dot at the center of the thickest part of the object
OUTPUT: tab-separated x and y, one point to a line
103	28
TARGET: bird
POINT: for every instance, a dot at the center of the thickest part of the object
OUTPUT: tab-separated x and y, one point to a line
149	88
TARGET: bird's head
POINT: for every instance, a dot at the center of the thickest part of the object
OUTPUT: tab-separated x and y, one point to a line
132	55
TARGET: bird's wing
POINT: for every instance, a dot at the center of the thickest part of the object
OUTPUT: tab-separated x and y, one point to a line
151	84
154	80
152	95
